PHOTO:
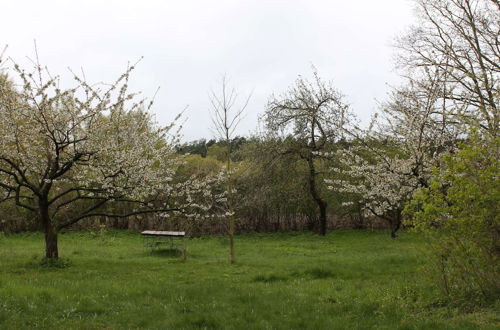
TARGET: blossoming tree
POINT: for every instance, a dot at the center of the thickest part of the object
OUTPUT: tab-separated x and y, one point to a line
67	155
310	116
385	164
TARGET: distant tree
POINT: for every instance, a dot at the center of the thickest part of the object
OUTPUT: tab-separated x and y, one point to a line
68	155
198	147
308	118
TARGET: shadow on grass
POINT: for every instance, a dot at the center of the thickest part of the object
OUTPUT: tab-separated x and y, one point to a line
164	253
270	278
48	264
315	273
205	323
319	273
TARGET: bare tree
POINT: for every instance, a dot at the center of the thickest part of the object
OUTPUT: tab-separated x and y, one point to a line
460	38
312	115
226	116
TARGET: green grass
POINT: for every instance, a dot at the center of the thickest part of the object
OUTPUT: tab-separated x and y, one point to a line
346	280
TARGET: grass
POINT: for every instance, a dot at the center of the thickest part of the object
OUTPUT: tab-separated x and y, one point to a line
346	280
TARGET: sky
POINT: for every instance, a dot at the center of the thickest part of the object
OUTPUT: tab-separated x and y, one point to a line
188	45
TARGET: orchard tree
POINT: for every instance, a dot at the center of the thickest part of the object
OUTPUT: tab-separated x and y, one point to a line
67	155
226	115
308	118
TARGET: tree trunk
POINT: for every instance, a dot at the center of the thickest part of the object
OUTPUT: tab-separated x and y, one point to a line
395	223
51	250
232	254
315	195
322	218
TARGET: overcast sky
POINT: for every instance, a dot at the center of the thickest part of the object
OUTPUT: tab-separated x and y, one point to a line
188	44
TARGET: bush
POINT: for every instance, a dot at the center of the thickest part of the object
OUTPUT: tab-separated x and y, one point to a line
459	214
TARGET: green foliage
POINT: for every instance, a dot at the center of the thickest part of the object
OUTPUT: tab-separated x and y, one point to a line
272	186
199	166
459	212
346	280
217	151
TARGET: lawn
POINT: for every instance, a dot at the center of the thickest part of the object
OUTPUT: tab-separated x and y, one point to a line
346	280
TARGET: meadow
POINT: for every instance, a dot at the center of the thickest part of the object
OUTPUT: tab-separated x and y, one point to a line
345	280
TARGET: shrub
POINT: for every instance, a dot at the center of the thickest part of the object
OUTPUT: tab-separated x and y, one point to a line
459	214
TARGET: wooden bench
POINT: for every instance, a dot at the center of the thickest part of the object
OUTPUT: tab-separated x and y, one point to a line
154	238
